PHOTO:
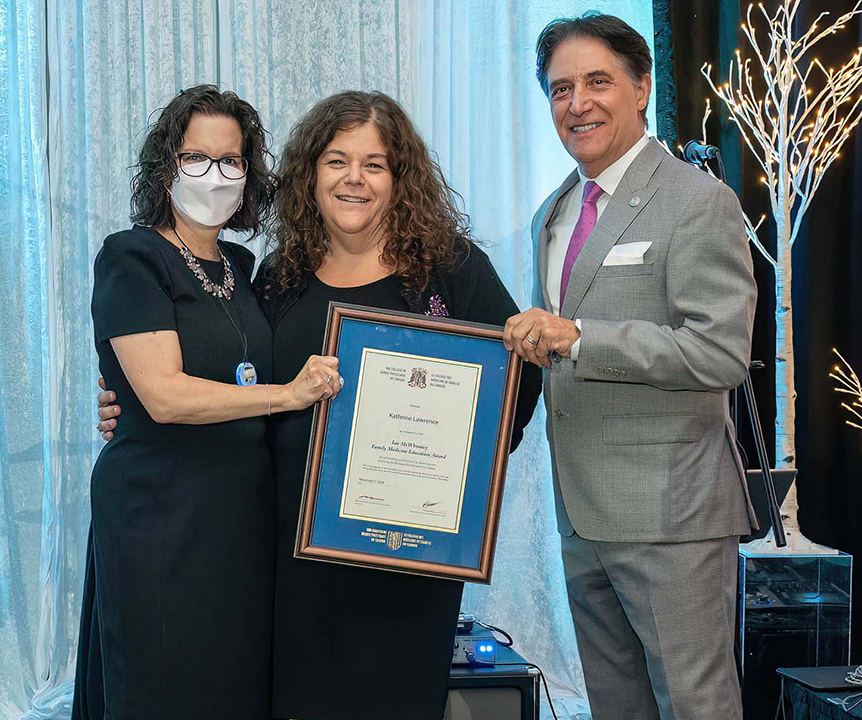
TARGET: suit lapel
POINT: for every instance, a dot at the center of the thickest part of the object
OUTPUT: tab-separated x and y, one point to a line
545	232
631	197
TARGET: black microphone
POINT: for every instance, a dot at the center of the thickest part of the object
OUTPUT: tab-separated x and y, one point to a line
698	154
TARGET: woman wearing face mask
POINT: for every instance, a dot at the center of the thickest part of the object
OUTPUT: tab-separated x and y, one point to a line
177	614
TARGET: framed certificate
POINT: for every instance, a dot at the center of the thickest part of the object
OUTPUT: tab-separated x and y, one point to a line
406	466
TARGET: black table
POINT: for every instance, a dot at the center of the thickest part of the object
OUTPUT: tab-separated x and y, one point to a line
802	703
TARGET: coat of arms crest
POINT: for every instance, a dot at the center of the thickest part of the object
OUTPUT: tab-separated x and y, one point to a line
394	540
418	378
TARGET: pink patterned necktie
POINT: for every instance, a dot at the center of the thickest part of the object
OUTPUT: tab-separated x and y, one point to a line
583	227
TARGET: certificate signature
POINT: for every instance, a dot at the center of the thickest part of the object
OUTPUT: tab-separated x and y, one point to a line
410	441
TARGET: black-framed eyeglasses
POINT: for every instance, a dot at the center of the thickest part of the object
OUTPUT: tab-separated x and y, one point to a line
195	164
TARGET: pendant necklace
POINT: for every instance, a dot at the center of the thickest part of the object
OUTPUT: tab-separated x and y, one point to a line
246	373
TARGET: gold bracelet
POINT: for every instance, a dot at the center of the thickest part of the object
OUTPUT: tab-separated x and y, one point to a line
269	400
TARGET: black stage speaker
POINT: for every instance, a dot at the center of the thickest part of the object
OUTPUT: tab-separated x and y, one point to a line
507	691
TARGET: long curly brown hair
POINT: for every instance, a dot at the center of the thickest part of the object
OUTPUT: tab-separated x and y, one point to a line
157	164
423	225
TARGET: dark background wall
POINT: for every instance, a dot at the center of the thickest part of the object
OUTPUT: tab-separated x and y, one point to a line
827	293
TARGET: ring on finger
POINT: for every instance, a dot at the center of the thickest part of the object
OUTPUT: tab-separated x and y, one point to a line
530	340
328	379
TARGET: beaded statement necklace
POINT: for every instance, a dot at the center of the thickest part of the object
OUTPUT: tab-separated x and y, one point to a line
219	291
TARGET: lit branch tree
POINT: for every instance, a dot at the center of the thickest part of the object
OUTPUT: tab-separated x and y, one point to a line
848	382
795	128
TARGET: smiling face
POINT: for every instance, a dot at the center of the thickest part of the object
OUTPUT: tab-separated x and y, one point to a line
354	185
595	103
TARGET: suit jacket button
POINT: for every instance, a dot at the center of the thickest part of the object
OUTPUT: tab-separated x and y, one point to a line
558	414
635	201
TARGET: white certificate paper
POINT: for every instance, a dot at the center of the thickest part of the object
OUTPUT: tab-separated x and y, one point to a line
410	441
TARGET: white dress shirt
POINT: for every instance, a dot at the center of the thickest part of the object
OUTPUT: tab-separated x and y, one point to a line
569	211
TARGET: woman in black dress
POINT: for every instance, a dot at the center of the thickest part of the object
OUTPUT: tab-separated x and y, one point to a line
177	614
363	215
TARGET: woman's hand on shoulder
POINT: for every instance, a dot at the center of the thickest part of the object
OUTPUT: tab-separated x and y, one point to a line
318	380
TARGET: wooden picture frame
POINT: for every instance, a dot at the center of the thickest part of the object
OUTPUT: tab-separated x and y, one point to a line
427	407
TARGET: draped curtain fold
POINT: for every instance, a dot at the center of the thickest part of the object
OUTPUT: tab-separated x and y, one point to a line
98	71
24	446
79	81
284	55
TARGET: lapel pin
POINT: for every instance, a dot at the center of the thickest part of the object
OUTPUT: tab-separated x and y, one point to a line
635	201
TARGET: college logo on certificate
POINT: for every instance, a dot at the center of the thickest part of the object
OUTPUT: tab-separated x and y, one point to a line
393	540
418	378
392	469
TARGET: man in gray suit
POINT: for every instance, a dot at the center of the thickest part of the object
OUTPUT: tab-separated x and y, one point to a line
645	299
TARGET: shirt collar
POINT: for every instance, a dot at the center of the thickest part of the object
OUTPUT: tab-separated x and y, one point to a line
610	177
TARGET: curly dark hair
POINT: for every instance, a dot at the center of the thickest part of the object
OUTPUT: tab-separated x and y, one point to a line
157	165
423	225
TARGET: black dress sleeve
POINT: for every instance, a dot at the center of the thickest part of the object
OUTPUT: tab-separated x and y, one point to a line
131	288
479	295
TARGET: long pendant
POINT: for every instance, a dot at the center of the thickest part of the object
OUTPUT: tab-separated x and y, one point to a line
246	374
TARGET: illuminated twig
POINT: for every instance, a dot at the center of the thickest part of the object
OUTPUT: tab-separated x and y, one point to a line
848	383
706	115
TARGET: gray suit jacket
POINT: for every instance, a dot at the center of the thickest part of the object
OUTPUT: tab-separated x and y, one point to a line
641	439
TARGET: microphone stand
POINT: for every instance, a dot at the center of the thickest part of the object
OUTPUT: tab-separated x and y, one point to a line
747	387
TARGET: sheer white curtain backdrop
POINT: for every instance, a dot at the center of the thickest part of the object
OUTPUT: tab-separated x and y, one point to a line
95	72
25	440
285	55
78	81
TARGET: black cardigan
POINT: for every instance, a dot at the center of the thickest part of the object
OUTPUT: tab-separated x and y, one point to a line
469	291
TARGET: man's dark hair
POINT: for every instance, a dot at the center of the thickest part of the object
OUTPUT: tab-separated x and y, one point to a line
157	163
623	41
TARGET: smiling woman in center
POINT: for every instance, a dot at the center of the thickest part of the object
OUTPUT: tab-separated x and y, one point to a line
364	216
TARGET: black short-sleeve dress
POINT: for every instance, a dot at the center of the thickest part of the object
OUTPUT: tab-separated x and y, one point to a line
183	527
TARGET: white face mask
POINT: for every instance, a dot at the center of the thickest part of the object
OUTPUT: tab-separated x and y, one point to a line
209	200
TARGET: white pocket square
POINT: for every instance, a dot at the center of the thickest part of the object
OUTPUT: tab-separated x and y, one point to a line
627	254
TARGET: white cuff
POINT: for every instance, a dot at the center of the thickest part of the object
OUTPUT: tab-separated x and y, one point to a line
576	346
